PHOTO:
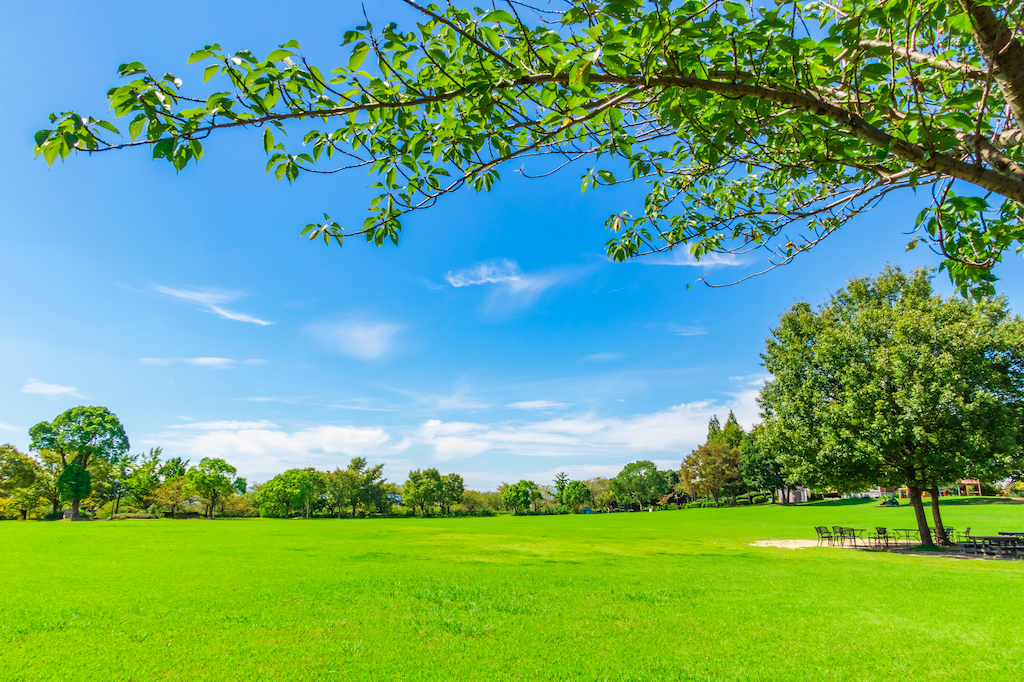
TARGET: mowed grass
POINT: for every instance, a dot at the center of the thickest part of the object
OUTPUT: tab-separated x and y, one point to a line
664	596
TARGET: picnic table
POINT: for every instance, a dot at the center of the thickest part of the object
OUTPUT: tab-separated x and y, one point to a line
998	545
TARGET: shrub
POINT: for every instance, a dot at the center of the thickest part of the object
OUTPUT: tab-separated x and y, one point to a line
136	515
759	499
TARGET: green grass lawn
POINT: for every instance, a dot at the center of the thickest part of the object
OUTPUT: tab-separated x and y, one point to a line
664	596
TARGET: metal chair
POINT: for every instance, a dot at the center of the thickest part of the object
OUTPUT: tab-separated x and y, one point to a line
880	536
824	534
838	535
965	536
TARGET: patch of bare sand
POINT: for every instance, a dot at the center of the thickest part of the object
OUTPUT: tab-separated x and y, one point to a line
784	544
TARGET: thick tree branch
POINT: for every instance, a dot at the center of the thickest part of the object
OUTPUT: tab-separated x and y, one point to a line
998	45
947	65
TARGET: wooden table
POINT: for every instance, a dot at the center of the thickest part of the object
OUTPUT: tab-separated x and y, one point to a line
1006	545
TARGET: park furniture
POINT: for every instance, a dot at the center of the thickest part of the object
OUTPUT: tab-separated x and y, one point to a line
880	537
1001	545
964	536
851	534
824	535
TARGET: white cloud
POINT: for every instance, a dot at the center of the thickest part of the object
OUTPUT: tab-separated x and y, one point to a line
211	300
264	449
215	363
606	356
685	258
537	405
49	390
687	331
677	429
361	340
516	289
5	427
225	425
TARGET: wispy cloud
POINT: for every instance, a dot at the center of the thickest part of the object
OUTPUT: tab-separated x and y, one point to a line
538	405
5	427
605	356
211	362
49	390
675	430
514	288
215	363
264	448
685	258
687	331
360	340
212	301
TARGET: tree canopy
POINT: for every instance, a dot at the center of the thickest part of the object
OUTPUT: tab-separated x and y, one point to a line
639	482
750	125
889	384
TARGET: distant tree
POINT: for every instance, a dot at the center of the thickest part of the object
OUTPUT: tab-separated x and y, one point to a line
889	384
561	481
518	496
173	493
50	467
173	467
711	469
604	499
576	494
340	486
74	484
473	501
289	490
145	478
639	482
761	469
452	488
26	500
211	480
422	490
17	470
731	433
78	435
714	429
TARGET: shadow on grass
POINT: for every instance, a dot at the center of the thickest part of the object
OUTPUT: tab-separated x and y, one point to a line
852	502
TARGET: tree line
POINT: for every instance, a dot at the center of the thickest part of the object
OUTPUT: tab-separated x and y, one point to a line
885	384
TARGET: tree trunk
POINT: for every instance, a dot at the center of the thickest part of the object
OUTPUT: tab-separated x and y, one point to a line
24	514
117	504
74	508
940	530
172	510
784	495
922	520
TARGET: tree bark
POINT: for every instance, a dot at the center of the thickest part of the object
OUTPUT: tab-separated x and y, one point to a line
922	519
940	530
74	508
997	44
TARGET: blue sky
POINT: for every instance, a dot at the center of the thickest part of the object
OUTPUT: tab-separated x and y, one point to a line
496	341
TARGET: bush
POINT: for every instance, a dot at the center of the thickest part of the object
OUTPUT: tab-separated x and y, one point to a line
136	515
759	499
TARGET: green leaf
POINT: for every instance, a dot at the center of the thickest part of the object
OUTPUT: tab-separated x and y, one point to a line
358	56
198	55
500	16
210	71
278	55
268	140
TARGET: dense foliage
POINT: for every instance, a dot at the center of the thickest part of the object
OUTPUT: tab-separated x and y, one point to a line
889	384
751	125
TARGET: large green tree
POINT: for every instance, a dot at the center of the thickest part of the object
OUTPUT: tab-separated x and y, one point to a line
211	480
17	470
750	125
575	494
77	436
889	384
639	482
